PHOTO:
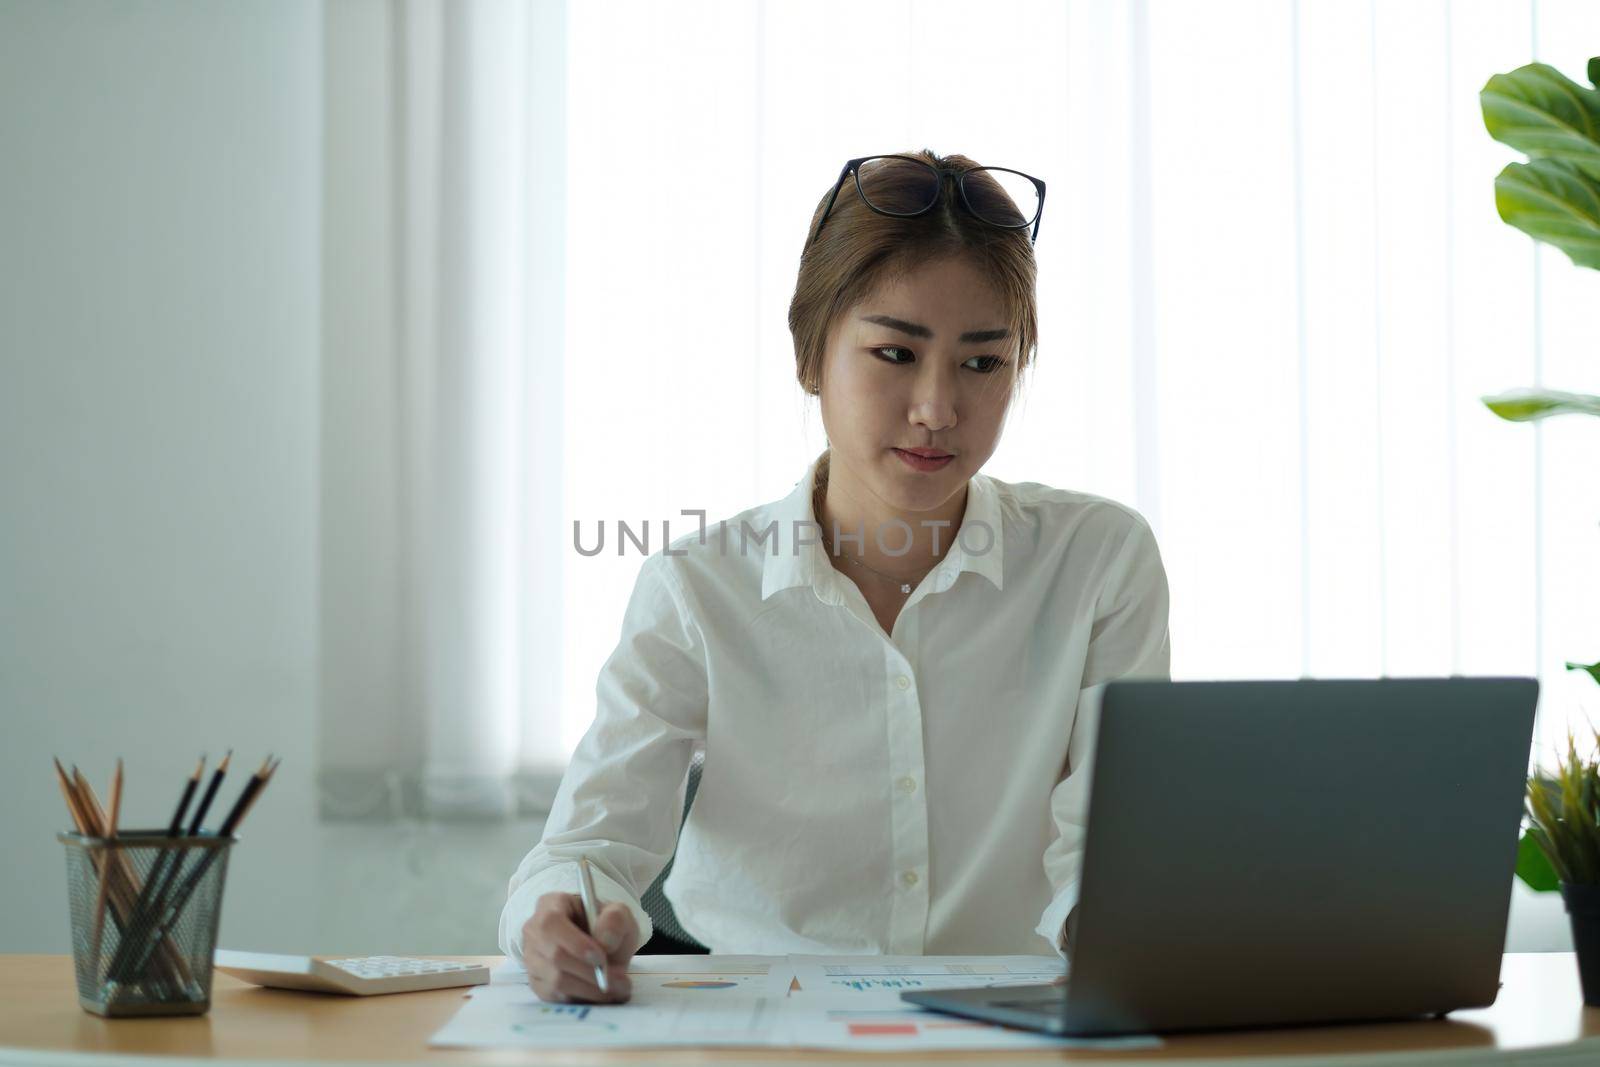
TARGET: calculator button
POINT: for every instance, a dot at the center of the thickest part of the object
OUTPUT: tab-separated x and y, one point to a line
375	968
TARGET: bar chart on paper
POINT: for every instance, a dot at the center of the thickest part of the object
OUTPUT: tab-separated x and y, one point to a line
831	1002
828	974
676	1000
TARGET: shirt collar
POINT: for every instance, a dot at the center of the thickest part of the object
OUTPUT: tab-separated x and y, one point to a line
786	566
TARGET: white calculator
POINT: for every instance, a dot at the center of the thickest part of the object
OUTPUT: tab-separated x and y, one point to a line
358	975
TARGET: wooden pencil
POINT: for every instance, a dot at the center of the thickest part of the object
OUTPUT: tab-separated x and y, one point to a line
125	883
77	807
74	808
100	897
115	872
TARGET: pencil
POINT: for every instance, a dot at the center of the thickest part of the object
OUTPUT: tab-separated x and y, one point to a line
115	866
80	820
100	898
74	808
176	868
211	792
247	798
152	884
124	878
194	828
166	913
77	807
189	787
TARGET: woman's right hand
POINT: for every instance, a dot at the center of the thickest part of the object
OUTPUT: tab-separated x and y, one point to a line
560	958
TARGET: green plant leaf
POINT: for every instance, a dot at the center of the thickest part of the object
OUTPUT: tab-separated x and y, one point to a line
1553	201
1591	797
1593	669
1534	868
1528	405
1576	842
1552	855
1542	112
1550	826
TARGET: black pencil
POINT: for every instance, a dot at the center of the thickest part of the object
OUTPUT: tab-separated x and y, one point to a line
211	793
174	827
257	782
241	807
195	827
183	801
154	886
167	913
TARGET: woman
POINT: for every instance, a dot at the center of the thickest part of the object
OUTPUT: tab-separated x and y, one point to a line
894	670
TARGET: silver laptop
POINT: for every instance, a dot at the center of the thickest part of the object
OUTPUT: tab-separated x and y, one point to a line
1270	853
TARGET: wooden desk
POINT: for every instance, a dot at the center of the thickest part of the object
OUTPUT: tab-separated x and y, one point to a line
1538	1017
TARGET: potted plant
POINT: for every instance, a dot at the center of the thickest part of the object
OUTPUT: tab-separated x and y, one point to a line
1555	197
1561	849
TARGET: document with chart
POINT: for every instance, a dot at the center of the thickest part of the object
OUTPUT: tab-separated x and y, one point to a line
677	1000
842	1002
896	974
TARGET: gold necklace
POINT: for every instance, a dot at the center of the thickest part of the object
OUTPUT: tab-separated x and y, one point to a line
816	509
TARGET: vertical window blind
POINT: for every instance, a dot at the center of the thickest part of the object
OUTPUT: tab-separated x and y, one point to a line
1273	288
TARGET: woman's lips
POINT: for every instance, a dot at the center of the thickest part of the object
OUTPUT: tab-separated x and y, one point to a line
922	463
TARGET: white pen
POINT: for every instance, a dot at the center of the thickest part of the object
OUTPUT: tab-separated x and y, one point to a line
591	912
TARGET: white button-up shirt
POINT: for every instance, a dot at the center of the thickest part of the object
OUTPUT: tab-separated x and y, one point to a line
917	792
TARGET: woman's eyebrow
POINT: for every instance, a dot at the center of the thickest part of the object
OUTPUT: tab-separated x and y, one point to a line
971	336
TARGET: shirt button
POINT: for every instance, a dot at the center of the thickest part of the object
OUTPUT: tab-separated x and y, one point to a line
903	682
908	784
909	878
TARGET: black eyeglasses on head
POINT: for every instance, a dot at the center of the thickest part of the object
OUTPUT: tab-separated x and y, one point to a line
905	186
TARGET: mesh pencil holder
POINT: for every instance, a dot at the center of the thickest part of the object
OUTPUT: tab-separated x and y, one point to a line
145	909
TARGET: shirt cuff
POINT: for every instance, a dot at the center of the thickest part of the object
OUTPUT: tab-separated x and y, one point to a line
562	878
1052	926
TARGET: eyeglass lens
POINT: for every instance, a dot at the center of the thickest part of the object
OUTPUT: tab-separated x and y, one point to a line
900	186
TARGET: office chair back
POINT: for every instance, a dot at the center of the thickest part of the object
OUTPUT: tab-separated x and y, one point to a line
668	937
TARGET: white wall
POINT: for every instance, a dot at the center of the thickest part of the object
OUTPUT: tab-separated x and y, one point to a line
162	466
159	296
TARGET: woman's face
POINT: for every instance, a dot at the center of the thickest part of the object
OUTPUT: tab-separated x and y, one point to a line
898	374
